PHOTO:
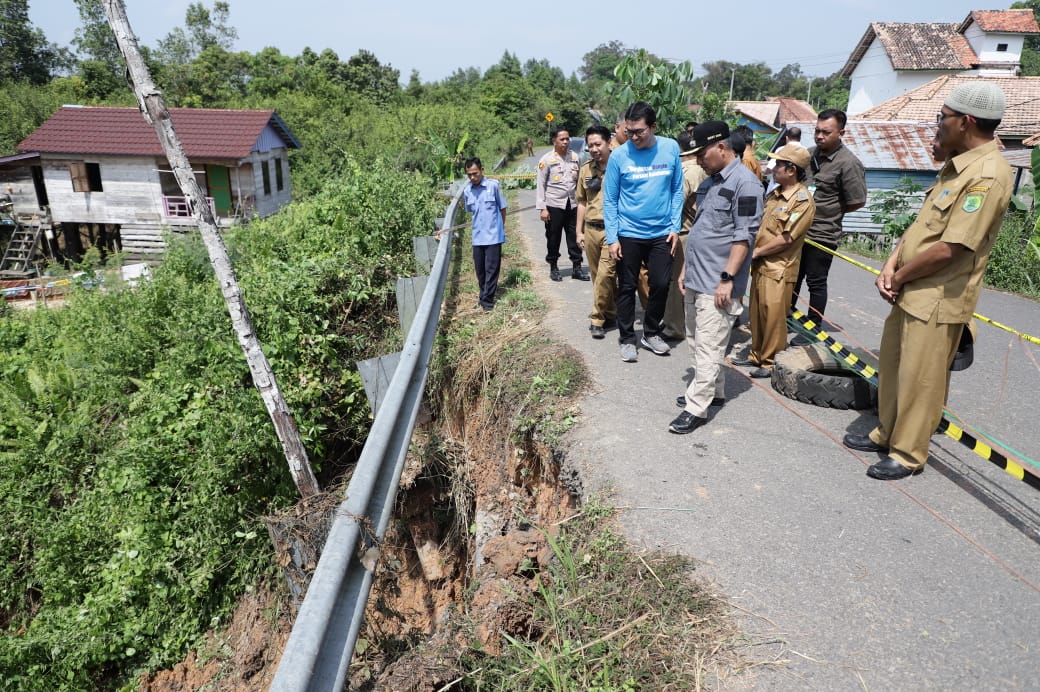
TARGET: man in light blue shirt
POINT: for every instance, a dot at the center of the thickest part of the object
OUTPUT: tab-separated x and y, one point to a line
484	200
642	210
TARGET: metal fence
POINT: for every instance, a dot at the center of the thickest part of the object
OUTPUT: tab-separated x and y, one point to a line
317	655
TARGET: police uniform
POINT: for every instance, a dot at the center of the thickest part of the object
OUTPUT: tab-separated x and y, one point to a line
601	264
557	181
674	310
965	206
773	276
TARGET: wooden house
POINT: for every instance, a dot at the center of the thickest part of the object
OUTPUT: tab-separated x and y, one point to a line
99	176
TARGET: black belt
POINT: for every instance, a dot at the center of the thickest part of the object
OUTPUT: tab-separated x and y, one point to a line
595	224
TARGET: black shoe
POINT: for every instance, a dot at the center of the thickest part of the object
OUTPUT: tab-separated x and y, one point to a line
863	443
744	363
760	373
888	469
597	331
685	423
579	273
554	274
717	402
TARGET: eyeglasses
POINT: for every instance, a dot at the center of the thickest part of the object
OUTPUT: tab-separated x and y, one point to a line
940	116
638	132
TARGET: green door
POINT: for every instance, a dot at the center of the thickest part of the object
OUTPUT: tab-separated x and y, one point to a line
219	184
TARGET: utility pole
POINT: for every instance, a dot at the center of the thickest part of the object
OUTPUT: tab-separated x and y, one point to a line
808	93
153	108
732	74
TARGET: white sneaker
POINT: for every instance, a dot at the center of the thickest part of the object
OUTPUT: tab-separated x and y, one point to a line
629	354
656	344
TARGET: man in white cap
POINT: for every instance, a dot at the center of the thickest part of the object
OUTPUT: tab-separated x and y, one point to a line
933	279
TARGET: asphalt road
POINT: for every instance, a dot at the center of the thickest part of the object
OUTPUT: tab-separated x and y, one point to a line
931	582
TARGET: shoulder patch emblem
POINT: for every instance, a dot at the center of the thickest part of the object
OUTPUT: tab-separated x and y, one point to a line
795	215
978	188
541	164
973	202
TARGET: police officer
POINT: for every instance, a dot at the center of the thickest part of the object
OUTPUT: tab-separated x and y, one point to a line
591	230
933	279
557	182
787	215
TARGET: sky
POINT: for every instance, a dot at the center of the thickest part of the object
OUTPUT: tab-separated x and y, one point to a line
438	38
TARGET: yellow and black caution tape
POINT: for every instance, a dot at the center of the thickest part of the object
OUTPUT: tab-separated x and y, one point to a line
952	430
850	359
980	318
988	453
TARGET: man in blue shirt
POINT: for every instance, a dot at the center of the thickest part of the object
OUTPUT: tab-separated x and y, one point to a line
715	274
642	210
484	200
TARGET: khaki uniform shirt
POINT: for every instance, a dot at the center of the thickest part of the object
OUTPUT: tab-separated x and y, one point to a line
840	182
693	176
751	162
966	206
793	213
556	181
592	199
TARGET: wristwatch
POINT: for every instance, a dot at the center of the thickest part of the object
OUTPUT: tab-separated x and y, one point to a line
726	276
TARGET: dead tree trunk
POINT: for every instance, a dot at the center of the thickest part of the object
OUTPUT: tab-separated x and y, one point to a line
153	108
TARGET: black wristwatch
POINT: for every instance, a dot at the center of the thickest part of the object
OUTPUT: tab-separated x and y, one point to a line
726	276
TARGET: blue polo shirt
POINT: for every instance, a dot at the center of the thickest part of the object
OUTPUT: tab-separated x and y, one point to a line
486	202
643	191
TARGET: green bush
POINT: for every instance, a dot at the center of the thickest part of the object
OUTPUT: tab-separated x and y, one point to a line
1014	261
135	455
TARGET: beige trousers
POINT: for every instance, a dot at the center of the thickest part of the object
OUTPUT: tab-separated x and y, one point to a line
707	336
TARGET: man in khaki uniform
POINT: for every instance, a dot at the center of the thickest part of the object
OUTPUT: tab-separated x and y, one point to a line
592	235
693	176
788	213
933	279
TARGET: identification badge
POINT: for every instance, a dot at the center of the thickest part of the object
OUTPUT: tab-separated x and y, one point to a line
972	202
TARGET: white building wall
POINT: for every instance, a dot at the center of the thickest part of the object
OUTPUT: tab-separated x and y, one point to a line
985	46
874	81
131	192
267	204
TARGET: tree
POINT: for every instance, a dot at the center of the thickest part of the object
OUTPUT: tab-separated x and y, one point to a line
666	87
25	54
153	108
100	62
597	66
365	75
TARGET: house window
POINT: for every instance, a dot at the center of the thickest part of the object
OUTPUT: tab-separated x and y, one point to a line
265	171
86	177
1002	47
278	179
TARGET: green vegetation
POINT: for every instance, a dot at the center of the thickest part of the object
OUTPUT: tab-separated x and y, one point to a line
137	457
896	209
605	618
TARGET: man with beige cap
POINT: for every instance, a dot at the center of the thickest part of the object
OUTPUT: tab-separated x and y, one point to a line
933	279
788	213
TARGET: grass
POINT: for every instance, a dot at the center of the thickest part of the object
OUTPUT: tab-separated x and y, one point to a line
607	618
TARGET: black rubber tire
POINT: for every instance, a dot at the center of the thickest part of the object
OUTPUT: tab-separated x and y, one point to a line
811	374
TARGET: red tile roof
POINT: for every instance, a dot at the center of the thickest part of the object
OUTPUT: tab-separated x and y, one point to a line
1002	21
921	104
204	132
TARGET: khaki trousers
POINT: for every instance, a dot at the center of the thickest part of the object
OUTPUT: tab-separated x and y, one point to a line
603	274
913	381
707	336
675	309
770	299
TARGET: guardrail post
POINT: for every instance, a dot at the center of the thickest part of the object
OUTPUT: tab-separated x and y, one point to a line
376	374
409	293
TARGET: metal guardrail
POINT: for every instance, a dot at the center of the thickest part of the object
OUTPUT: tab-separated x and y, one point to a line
318	652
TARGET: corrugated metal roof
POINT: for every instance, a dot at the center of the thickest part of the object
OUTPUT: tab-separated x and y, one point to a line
204	132
891	146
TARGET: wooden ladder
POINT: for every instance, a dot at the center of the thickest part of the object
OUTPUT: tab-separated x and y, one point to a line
18	260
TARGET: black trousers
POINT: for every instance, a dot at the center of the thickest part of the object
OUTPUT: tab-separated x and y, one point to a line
658	257
487	260
814	267
562	221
